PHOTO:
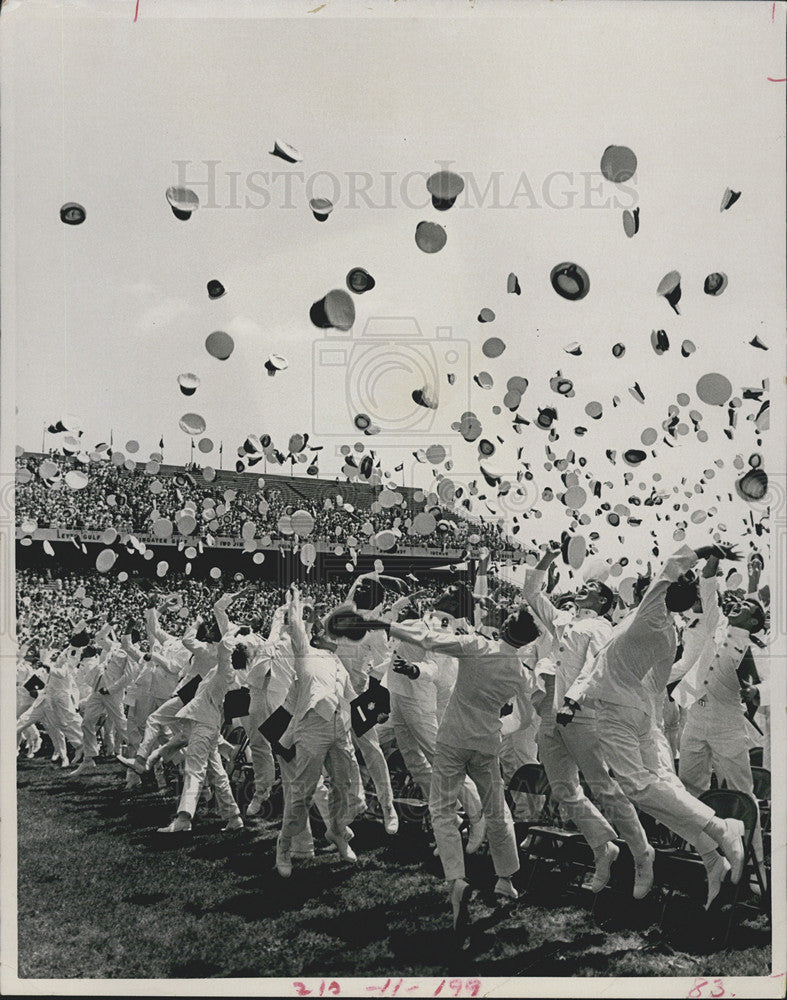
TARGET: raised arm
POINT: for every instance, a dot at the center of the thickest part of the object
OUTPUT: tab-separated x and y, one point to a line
190	640
220	612
419	634
296	626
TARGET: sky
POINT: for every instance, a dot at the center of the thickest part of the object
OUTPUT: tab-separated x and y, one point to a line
105	316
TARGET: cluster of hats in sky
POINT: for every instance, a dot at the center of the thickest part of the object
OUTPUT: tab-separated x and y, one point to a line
504	497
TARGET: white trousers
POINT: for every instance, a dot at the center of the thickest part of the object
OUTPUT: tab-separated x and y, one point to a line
158	724
111	708
303	842
451	766
376	765
203	761
416	737
630	749
319	744
138	715
565	751
58	717
261	753
715	739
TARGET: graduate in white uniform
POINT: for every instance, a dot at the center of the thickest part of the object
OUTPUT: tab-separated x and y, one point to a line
116	671
718	735
201	644
55	706
576	639
270	676
201	719
320	732
490	673
413	680
645	642
25	700
366	661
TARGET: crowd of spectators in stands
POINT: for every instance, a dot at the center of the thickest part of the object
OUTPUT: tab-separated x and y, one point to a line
50	604
132	500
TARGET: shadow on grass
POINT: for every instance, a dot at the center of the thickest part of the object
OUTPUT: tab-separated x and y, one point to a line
273	896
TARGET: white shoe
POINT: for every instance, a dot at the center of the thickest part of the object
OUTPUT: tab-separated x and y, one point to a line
460	900
346	853
731	847
133	780
605	858
236	823
177	826
643	873
255	806
79	756
717	872
302	855
283	860
132	764
55	758
505	888
476	834
86	767
30	754
390	819
65	762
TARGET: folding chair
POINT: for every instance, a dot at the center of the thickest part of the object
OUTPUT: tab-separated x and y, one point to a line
531	779
762	792
686	865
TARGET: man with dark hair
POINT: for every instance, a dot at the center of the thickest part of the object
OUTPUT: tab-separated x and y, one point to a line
54	706
718	735
201	719
201	642
576	640
320	732
366	660
490	673
645	643
106	700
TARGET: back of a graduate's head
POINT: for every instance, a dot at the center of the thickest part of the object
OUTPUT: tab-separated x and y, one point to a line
368	595
681	594
456	600
208	631
520	628
240	656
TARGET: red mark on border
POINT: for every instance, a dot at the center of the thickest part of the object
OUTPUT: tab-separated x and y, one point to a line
773	11
136	12
773	79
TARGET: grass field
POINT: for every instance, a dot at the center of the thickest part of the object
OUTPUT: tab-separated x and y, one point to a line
101	895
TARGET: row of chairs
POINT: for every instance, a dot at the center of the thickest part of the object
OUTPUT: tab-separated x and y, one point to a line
678	867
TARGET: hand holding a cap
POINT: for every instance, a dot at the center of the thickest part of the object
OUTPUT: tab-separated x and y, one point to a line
402	666
567	712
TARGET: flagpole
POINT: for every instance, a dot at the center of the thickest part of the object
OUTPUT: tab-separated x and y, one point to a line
221	456
43	440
